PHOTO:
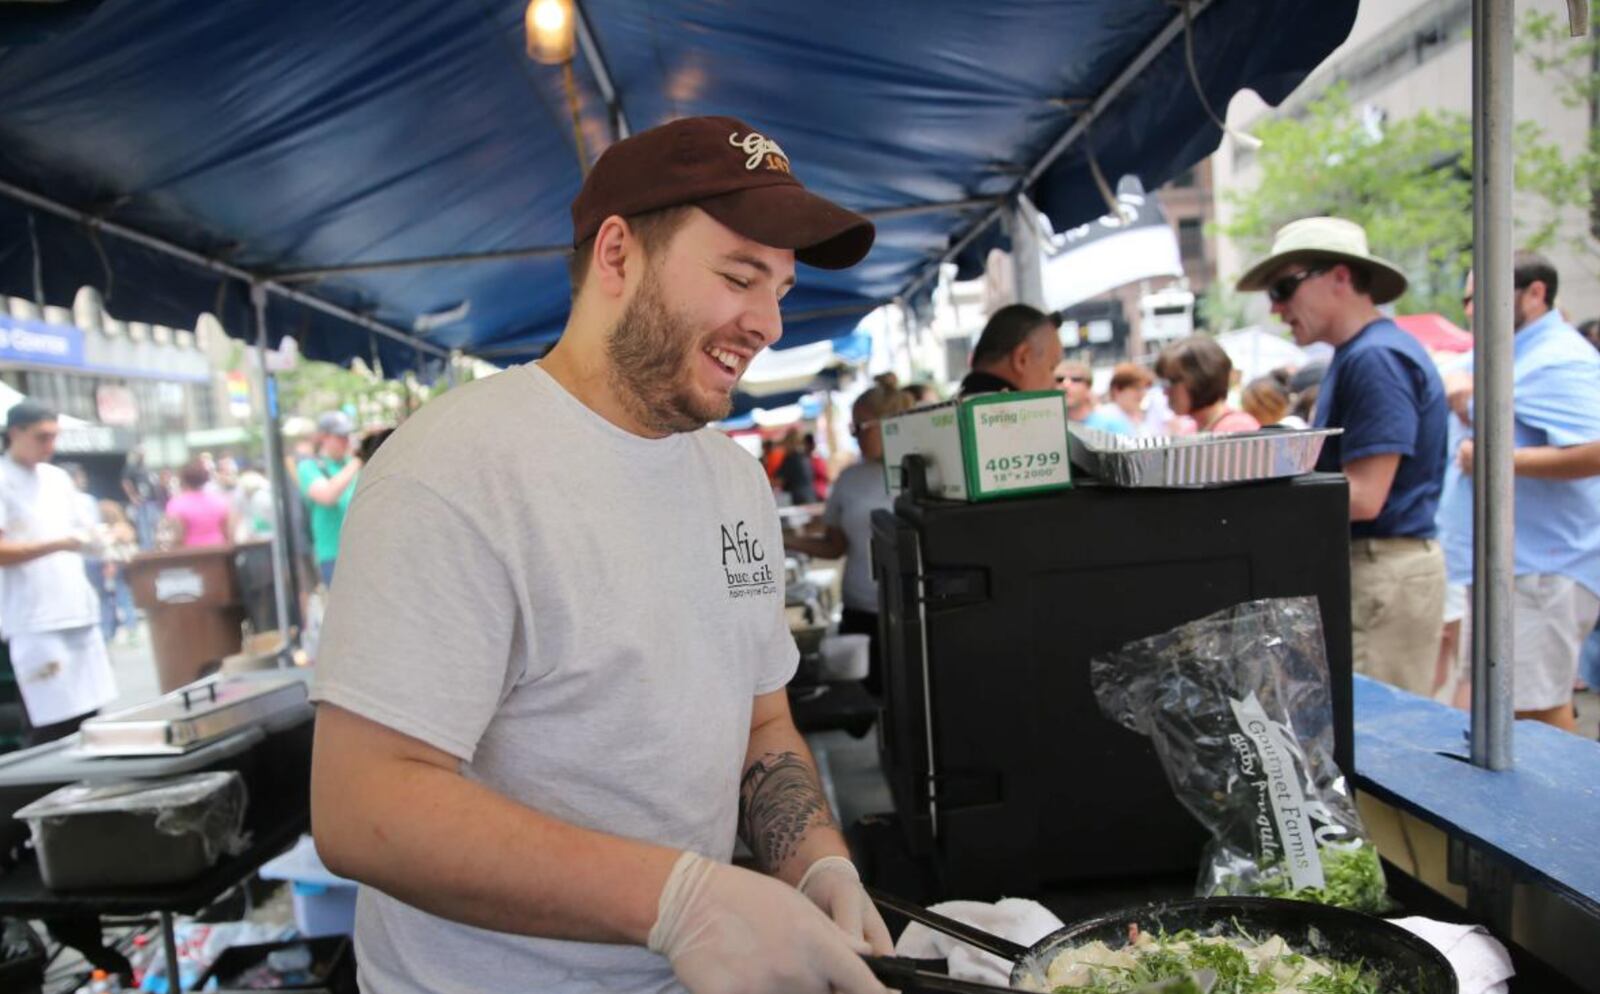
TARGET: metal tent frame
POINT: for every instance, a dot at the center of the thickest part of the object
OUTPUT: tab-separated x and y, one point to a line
263	285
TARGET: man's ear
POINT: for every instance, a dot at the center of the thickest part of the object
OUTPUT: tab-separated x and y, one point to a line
1342	274
615	249
1544	291
1022	356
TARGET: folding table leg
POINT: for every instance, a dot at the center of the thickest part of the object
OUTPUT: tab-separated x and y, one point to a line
169	945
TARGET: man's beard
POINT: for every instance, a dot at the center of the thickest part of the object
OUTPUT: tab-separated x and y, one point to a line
651	351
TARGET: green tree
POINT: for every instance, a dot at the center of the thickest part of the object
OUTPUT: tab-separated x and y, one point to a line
1409	181
1221	309
311	388
1571	68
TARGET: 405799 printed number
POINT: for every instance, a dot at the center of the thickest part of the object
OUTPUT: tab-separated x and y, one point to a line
1028	460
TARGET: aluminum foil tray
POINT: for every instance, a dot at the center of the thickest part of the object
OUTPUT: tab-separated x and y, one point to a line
192	716
1192	461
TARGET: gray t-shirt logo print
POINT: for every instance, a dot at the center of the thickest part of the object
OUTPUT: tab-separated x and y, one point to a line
744	563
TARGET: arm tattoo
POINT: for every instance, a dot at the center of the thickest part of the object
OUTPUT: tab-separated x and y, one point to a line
780	801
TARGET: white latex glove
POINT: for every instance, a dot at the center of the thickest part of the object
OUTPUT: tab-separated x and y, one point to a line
834	885
732	931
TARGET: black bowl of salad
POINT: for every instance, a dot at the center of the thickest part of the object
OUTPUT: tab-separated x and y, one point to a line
1255	945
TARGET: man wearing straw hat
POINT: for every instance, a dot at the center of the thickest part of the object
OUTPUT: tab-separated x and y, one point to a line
1384	391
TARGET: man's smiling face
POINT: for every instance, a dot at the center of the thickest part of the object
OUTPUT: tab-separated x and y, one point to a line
706	305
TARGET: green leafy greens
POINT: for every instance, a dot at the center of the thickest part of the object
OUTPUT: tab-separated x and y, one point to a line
1352	878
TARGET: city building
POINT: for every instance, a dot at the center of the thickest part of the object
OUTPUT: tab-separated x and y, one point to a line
120	384
1137	318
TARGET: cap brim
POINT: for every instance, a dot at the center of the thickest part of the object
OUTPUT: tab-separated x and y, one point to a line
1388	282
789	216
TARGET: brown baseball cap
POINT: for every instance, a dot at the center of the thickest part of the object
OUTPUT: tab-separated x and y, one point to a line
732	172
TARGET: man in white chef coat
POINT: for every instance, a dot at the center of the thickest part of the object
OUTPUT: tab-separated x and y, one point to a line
49	612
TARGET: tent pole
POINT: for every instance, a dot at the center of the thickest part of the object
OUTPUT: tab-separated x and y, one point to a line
273	444
1493	566
620	128
1027	256
209	264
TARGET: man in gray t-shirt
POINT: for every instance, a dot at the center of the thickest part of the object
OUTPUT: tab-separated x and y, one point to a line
552	674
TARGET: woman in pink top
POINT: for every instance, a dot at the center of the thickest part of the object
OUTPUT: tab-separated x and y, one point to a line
1196	371
199	517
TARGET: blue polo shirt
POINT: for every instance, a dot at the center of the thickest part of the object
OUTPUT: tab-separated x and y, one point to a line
1555	401
1384	391
1110	419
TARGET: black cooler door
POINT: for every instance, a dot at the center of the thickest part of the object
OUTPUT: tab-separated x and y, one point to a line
1003	770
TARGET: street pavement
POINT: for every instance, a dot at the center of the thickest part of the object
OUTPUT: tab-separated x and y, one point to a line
134	668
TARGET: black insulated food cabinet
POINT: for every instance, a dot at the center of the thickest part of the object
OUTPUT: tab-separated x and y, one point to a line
1006	777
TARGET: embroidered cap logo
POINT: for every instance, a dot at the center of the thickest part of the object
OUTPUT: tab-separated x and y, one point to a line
762	151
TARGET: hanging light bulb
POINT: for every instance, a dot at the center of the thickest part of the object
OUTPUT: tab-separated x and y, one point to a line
550	26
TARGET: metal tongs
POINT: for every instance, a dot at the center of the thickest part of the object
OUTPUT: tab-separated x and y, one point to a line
908	975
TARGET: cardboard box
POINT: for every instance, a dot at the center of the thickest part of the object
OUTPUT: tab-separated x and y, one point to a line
992	445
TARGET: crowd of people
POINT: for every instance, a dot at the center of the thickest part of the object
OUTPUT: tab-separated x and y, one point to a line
65	553
1406	449
1408	452
1019	349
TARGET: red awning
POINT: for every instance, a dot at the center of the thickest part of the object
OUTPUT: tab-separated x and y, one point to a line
1436	332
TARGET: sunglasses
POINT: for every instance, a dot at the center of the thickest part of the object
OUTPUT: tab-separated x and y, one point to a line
1073	379
1282	290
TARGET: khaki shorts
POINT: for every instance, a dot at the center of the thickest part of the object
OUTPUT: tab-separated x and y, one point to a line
1554	614
1397	610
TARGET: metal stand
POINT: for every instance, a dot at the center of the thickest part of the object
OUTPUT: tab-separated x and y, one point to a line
169	946
281	538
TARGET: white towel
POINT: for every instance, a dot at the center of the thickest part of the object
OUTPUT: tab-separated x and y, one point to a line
1014	918
1481	963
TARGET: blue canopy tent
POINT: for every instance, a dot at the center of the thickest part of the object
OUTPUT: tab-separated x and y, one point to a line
390	179
369	164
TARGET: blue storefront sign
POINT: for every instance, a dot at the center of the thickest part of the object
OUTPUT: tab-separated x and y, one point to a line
39	343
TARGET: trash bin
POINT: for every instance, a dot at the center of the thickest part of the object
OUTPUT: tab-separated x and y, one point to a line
191	598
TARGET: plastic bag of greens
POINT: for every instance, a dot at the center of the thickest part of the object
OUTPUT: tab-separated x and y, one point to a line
1238	707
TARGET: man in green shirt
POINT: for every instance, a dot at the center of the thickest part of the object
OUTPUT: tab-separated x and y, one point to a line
327	482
